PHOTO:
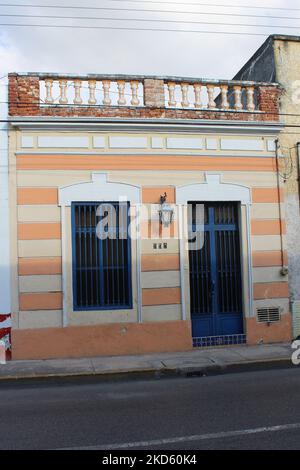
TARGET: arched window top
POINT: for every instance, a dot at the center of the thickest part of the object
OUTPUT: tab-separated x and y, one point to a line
99	189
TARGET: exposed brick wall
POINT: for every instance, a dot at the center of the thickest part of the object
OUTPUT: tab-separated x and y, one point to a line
268	101
24	101
23	95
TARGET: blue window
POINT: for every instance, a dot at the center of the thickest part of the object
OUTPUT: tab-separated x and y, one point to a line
101	248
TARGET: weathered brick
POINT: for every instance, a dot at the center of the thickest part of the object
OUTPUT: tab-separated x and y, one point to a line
24	101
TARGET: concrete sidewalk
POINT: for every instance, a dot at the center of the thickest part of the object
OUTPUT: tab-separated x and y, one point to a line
198	361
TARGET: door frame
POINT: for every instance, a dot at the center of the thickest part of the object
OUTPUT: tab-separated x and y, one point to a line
213	189
214	316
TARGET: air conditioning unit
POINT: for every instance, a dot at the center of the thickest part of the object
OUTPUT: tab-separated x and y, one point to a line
296	318
268	315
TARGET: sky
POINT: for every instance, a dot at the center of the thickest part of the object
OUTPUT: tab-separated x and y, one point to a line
82	51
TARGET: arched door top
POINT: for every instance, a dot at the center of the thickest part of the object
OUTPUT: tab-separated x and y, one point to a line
213	189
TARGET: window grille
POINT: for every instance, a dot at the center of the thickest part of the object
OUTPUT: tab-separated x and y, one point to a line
101	256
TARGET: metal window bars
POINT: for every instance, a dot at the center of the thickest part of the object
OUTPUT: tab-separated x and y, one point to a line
101	256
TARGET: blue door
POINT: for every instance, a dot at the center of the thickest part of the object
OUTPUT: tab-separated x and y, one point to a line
215	274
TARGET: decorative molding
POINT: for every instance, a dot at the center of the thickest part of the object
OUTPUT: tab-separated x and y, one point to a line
181	262
139	265
99	142
147	125
271	146
184	143
211	144
65	319
63	141
99	189
137	144
27	141
128	142
142	152
256	145
213	190
157	142
250	269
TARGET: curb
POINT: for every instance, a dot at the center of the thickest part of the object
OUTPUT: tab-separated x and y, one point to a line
214	369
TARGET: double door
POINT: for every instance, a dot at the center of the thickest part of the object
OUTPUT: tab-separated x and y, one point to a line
215	271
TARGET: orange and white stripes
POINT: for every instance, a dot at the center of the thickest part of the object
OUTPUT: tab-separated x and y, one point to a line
39	227
39	264
143	162
269	254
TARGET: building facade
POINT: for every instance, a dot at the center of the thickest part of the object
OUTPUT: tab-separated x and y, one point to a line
278	60
96	163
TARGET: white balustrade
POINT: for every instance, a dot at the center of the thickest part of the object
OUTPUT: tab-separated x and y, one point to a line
106	98
63	84
184	91
172	101
238	97
210	93
92	90
49	86
197	91
198	95
210	96
224	97
77	88
134	90
121	90
250	98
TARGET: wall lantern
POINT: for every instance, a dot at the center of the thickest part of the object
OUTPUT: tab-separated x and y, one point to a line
166	212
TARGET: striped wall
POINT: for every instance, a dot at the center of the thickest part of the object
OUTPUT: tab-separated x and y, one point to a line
142	162
160	271
39	227
39	250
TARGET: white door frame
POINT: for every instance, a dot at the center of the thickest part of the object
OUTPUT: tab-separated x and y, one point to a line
213	190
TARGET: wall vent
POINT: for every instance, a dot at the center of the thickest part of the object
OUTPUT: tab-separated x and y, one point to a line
268	315
296	318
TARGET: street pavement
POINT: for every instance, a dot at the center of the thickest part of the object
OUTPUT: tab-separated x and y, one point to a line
242	410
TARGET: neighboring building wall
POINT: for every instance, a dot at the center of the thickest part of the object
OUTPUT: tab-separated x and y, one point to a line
5	269
279	58
287	63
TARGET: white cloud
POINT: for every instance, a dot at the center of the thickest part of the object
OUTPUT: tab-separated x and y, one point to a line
132	52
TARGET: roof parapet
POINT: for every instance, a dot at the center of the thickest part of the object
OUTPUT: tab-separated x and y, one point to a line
121	96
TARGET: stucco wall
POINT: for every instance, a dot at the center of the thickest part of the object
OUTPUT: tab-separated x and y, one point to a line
180	160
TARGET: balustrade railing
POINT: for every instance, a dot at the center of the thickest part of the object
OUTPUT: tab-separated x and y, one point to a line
91	92
37	93
214	96
120	92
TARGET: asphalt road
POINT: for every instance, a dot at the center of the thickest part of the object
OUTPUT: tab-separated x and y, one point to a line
249	410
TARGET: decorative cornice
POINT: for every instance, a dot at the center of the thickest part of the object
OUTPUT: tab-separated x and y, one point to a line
142	125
